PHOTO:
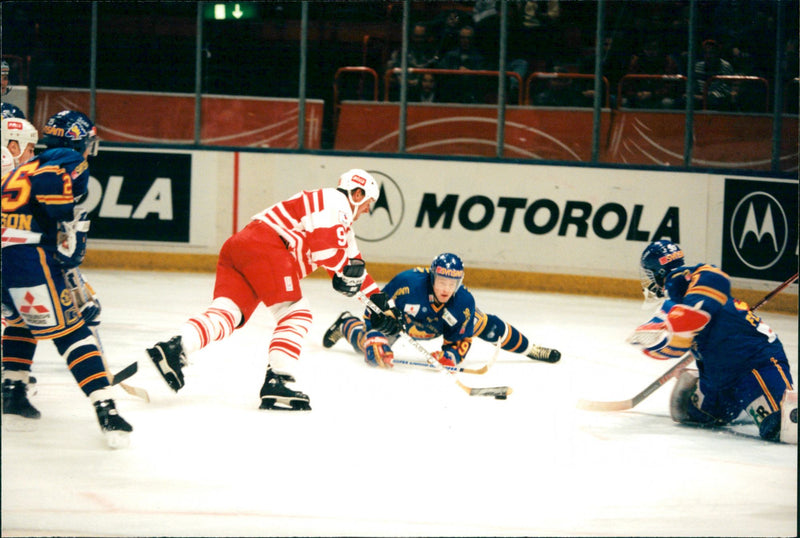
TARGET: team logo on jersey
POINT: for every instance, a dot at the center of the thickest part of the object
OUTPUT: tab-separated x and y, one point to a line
759	230
34	305
411	309
386	213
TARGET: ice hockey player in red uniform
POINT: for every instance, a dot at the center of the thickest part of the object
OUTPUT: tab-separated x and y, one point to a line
264	263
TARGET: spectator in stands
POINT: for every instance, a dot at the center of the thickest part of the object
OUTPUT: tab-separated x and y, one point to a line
425	91
464	57
420	55
562	91
445	30
614	63
717	94
533	27
486	22
4	72
652	93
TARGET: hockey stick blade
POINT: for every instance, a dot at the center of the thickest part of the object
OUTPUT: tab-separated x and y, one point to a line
497	392
125	373
135	391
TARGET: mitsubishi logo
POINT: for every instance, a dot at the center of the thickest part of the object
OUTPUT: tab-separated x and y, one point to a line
759	230
30	307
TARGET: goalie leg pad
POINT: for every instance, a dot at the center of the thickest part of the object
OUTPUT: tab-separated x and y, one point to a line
686	398
789	417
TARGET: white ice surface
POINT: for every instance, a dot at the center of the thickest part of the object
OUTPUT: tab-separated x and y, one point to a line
403	452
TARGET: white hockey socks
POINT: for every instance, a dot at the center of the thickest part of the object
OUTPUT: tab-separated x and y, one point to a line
217	322
293	324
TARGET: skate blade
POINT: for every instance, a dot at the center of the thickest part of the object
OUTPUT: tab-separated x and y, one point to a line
17	423
117	439
284	404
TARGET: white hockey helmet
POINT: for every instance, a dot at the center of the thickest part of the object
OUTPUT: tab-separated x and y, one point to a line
359	179
20	130
8	161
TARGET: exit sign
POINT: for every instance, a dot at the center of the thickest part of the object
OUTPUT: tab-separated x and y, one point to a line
229	11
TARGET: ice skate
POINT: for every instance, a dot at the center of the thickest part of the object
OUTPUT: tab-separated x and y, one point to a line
544	354
115	428
169	359
18	413
334	332
276	395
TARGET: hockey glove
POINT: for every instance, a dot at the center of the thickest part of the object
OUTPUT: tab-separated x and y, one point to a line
84	297
377	351
446	358
389	321
349	281
71	239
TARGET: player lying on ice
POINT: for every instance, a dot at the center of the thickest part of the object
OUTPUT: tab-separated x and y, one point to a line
741	364
263	263
428	303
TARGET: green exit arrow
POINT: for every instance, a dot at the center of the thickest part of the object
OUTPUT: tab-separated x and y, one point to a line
237	12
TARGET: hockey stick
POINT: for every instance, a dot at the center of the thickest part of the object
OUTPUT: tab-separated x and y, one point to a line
123	374
482	370
623	405
500	393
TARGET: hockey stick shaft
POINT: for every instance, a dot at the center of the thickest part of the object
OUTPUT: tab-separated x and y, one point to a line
472	391
622	405
774	292
482	370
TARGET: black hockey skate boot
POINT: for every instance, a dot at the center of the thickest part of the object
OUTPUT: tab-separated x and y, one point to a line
334	332
276	395
16	405
115	428
544	354
170	359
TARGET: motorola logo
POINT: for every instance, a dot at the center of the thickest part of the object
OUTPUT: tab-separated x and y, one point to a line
386	214
759	230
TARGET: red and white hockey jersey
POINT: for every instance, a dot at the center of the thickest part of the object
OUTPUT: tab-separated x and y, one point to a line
317	227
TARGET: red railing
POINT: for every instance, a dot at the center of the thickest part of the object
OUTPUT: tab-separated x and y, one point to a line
741	79
541	75
666	80
457	72
364	71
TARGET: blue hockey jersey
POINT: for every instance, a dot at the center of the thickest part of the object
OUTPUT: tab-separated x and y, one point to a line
40	193
735	340
424	318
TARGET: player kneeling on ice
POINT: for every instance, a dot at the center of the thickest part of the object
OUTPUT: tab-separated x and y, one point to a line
429	302
263	263
741	364
44	294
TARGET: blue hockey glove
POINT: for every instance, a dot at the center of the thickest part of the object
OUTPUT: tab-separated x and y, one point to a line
84	297
71	239
377	351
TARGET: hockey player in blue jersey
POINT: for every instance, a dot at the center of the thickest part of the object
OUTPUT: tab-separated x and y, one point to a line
44	295
741	364
427	303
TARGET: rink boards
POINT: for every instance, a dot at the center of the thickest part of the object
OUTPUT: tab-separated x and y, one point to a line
544	227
